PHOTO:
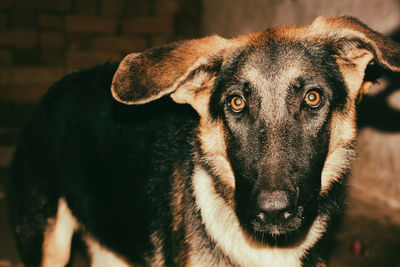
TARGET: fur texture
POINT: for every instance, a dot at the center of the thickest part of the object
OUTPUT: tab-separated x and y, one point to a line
164	169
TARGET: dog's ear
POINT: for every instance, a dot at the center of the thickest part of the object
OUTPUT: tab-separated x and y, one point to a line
180	68
356	47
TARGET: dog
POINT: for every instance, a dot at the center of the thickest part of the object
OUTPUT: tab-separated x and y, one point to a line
207	152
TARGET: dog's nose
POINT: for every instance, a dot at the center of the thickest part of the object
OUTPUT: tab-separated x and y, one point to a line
275	206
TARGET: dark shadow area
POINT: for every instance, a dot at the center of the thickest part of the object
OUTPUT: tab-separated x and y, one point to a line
374	111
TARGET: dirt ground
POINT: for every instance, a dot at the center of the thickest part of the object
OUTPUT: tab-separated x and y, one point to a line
368	236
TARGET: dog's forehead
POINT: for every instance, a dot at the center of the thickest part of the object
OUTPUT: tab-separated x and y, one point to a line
277	66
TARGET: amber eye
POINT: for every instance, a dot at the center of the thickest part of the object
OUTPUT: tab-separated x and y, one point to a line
237	104
313	99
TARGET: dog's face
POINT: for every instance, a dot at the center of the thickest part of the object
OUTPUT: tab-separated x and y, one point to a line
277	112
275	102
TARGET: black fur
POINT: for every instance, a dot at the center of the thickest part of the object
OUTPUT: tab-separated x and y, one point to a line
112	163
128	173
79	146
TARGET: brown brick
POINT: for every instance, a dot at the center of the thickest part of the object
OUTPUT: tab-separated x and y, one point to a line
6	3
166	7
23	18
27	84
190	7
79	41
19	38
119	44
187	25
6	155
52	55
138	8
91	24
30	75
157	40
87	7
48	21
26	56
149	25
77	60
23	93
8	135
48	5
3	21
52	39
112	8
6	57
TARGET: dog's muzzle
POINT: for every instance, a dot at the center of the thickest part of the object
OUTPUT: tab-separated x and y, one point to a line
276	212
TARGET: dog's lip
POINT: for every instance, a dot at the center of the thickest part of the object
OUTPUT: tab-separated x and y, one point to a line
277	229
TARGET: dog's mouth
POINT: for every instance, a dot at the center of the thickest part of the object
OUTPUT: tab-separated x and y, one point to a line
276	216
281	234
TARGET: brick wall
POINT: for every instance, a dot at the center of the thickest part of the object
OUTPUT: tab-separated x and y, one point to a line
42	40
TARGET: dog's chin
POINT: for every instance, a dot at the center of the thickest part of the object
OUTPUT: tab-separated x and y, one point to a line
276	235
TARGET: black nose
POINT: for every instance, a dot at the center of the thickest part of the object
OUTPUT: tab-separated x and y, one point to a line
275	207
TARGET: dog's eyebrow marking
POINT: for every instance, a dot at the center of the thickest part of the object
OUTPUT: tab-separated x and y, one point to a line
297	84
291	75
248	87
254	77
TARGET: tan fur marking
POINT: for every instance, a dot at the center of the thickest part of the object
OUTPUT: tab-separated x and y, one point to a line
58	236
177	206
197	93
157	258
259	80
177	201
213	145
343	132
340	27
333	169
256	78
364	90
354	74
223	226
343	129
103	257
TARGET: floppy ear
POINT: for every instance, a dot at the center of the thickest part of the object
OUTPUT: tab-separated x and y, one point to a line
181	67
356	47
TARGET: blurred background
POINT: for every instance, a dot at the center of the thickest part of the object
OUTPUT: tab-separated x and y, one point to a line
42	40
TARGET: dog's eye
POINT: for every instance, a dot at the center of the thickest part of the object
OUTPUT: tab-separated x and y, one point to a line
313	99
237	104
